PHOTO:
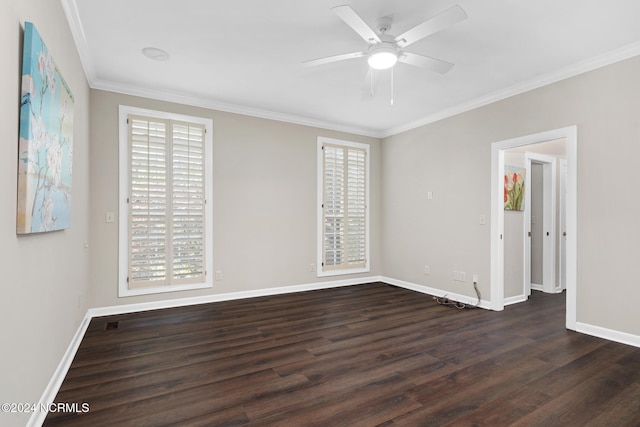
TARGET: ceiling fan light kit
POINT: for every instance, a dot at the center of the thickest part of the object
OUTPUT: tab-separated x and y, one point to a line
382	57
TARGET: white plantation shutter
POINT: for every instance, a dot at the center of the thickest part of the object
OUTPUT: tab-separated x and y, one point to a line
166	202
188	234
334	206
344	205
356	208
147	202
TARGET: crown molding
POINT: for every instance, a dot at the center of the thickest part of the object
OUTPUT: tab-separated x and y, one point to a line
231	108
75	25
603	60
70	9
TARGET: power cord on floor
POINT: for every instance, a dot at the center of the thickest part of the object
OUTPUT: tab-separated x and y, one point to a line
459	305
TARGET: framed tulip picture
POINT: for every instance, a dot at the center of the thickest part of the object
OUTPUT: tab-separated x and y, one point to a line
514	188
46	141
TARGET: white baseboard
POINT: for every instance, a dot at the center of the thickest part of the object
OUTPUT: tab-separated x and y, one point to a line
515	300
608	334
436	292
50	392
181	302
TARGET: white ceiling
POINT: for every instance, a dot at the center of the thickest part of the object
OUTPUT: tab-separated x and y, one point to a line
245	55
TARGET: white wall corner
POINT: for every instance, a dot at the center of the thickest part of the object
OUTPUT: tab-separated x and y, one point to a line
516	299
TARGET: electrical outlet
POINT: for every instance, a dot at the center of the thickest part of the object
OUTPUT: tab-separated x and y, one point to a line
312	267
459	276
475	278
218	275
427	269
109	217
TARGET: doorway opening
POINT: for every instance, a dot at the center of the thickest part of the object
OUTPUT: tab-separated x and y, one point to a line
560	214
541	254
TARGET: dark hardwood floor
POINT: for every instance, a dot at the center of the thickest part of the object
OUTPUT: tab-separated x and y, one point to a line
368	355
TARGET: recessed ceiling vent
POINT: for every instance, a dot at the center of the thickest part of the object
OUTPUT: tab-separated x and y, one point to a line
155	54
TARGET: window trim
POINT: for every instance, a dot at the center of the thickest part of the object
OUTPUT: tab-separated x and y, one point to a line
123	210
320	217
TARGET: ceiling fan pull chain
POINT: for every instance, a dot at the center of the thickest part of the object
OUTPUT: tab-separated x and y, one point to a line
392	85
371	80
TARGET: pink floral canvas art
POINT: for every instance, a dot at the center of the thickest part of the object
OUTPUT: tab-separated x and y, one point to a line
514	188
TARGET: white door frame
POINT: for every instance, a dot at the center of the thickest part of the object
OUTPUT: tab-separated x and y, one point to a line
570	134
549	164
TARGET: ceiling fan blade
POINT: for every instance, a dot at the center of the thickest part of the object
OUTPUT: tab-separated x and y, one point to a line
352	19
335	58
433	25
437	65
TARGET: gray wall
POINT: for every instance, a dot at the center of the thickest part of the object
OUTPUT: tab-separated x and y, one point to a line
264	200
45	276
452	158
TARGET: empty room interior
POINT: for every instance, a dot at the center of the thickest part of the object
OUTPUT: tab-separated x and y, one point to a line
320	212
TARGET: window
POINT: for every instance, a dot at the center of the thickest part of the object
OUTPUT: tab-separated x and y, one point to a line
165	210
343	198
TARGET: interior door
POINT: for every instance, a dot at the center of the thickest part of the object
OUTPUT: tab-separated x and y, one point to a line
543	223
563	225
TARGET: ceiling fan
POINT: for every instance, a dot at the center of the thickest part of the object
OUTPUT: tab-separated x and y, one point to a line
385	50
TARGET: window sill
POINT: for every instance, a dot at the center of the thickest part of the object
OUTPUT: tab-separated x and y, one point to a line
126	292
343	272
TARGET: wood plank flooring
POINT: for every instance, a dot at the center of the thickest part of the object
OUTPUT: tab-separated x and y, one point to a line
367	355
